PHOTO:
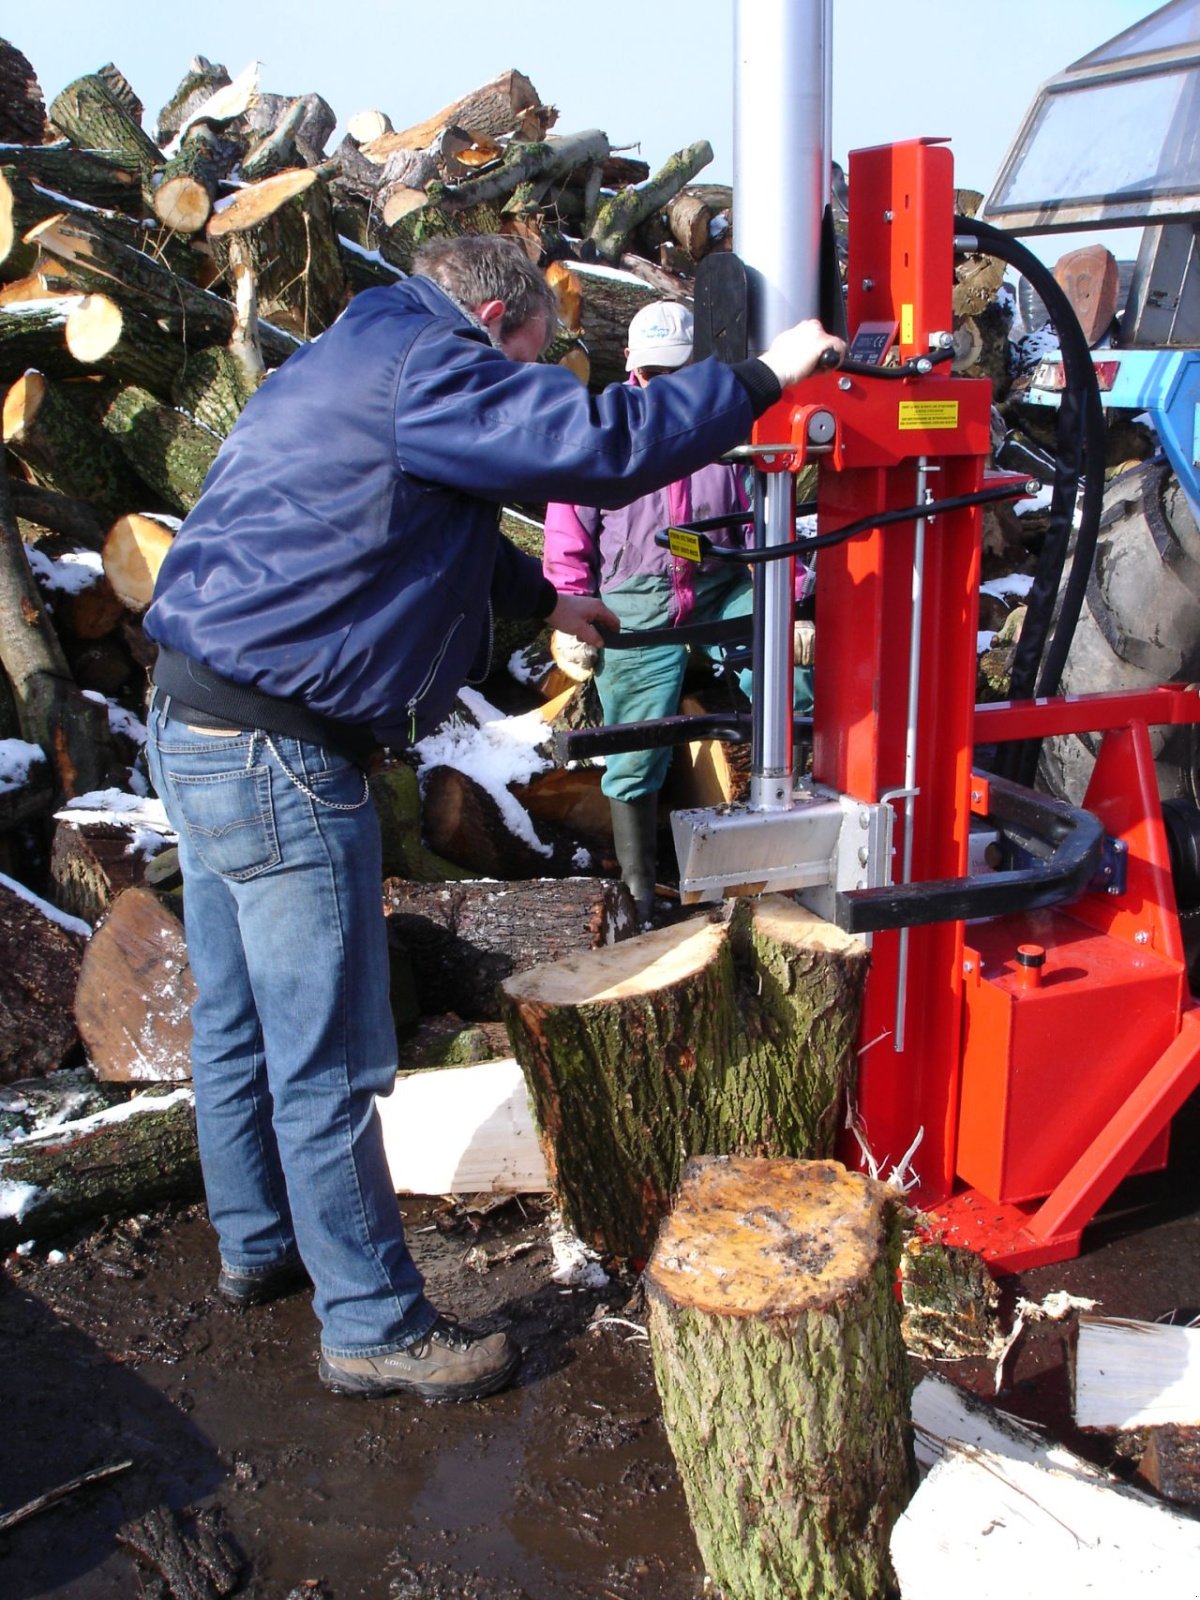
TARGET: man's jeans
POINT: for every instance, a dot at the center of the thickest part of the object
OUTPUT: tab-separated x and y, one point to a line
292	1029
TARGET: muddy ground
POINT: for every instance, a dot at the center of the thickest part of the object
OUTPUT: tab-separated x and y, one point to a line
561	1488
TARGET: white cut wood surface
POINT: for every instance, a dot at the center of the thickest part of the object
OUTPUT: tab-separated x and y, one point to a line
1001	1513
1131	1374
462	1130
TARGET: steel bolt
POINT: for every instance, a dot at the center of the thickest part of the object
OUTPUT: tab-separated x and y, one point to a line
888	216
1141	937
868	283
844	383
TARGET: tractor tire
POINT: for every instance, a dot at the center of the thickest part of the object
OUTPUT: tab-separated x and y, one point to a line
1139	627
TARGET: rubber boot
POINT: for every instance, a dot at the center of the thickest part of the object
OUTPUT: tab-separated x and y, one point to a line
635	839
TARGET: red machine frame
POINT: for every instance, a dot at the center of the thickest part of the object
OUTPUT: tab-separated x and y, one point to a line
1019	1142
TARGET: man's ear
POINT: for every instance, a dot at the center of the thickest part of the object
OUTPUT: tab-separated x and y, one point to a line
489	311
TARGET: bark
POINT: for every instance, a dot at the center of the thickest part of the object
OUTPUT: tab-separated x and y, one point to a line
105	665
464	823
951	1302
397	800
22	109
617	218
90	177
168	450
98	263
286	224
192	1556
464	939
213	388
608	302
64	449
690	219
122	91
93	117
91	863
71	730
57	513
122	343
135	993
712	1036
203	78
39	966
363	266
33	334
317	120
1171	1464
785	1391
102	1171
278	149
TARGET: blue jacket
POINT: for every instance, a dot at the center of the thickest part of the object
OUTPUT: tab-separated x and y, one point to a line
346	546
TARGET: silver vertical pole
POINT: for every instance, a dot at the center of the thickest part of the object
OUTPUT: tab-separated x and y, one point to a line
781	183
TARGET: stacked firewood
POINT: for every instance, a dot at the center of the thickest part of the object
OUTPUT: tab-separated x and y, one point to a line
152	276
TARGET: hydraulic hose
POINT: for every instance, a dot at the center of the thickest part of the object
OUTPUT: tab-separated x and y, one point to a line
1039	658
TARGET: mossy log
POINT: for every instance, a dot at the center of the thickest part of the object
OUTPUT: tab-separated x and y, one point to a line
97	262
167	450
62	1178
712	1036
90	177
286	226
33	335
617	217
39	508
509	104
396	794
776	1344
185	197
122	343
213	388
93	117
63	449
133	1002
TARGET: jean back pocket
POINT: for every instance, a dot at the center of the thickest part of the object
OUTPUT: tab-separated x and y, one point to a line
230	820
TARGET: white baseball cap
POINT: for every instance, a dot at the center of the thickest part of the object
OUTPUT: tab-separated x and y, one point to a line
660	336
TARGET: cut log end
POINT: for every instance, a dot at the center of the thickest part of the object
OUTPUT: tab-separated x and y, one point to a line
757	1237
21	404
182	203
133	552
655	960
260	200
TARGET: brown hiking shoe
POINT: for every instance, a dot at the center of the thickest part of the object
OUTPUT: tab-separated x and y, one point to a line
449	1363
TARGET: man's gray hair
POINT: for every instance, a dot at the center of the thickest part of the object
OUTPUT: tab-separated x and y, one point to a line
483	267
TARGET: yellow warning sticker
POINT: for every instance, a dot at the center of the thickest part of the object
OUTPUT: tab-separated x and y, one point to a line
928	414
684	545
906	324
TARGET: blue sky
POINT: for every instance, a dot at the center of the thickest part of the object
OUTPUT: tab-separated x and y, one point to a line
655	75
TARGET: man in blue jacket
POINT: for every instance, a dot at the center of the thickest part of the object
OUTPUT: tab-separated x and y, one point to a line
330	593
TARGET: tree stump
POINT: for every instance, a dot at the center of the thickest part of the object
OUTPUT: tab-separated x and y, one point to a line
776	1343
709	1037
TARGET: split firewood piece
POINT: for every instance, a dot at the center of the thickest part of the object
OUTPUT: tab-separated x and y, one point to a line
286	224
1128	1374
135	993
92	862
464	939
191	179
617	218
120	341
571	799
33	335
107	1165
708	1036
168	450
213	388
99	263
202	79
1091	282
465	823
22	108
509	104
707	772
63	449
93	117
39	966
23	204
777	1354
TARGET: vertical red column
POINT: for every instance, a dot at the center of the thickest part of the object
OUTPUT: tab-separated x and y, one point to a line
901	270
